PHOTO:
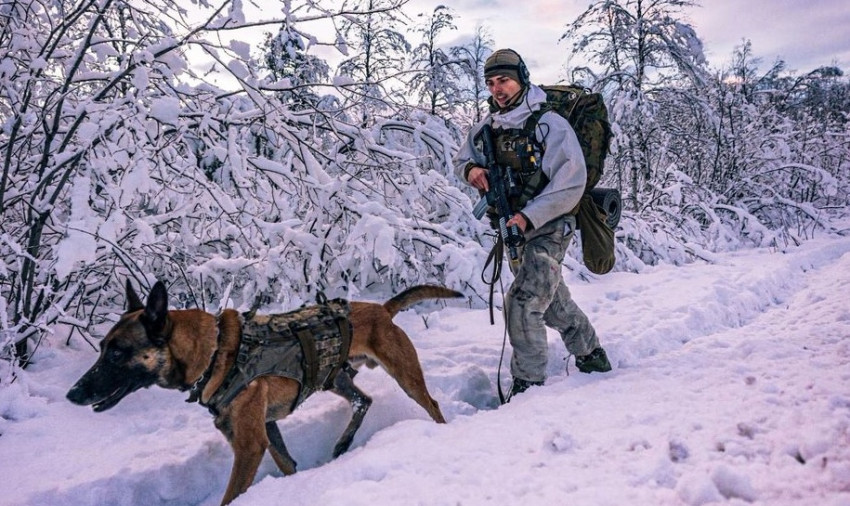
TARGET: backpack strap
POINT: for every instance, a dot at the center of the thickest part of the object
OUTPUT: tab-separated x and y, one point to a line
533	183
529	129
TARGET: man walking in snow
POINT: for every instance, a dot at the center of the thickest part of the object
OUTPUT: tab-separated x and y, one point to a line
551	186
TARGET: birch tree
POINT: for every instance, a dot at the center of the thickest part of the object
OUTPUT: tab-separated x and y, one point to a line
471	58
636	49
435	71
376	51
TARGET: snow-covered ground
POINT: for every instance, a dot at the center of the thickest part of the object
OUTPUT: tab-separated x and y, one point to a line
731	385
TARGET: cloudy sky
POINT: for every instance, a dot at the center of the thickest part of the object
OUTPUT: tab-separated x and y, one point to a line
804	34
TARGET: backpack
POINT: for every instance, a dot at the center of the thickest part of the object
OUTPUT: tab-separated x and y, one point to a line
587	114
598	211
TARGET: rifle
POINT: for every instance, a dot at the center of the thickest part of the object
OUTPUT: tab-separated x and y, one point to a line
502	187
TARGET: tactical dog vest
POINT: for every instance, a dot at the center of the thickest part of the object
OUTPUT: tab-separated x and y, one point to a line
308	345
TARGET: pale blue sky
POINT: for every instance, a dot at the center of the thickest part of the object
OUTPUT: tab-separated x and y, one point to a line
805	34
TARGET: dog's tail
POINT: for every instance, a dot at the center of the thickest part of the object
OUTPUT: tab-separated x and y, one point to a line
416	294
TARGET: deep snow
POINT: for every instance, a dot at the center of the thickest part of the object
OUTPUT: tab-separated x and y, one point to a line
730	386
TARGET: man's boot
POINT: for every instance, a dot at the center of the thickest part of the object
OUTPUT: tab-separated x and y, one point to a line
595	361
519	386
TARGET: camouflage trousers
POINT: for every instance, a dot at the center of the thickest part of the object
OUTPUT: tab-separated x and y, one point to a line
539	298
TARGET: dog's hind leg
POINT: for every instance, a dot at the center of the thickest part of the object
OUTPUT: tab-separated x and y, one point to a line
278	450
360	402
397	355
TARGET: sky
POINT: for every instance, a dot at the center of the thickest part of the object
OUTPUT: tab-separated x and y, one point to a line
729	387
805	34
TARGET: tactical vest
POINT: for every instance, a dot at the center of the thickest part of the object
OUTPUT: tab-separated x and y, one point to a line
308	345
518	149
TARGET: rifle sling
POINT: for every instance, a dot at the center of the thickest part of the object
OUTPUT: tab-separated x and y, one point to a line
495	257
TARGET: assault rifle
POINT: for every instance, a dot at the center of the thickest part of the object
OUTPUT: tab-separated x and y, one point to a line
501	187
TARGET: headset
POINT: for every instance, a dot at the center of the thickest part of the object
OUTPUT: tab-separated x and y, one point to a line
522	71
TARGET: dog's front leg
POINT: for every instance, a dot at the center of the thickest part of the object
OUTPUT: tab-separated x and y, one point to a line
243	423
360	402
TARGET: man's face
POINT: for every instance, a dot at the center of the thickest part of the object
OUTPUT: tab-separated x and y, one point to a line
503	89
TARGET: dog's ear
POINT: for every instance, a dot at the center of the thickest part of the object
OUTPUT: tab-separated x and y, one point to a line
156	313
134	303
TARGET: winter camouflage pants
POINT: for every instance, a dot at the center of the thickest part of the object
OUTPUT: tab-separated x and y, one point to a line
539	297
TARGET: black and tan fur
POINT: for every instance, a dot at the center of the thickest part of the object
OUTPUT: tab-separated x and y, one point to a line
151	345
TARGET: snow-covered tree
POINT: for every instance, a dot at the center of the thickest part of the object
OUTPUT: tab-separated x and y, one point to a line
294	69
120	161
435	78
376	53
471	58
637	50
637	44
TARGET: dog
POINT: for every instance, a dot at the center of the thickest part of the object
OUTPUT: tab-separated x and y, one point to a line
182	349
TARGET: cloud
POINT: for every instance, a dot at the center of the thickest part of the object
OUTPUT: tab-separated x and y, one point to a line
806	36
532	28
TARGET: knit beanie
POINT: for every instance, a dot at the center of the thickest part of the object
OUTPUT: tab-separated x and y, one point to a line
504	62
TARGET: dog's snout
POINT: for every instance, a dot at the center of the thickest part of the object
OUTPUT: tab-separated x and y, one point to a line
81	392
75	395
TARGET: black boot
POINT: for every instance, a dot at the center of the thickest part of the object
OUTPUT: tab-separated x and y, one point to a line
595	361
519	386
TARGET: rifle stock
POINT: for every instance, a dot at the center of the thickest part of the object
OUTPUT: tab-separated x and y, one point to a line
480	208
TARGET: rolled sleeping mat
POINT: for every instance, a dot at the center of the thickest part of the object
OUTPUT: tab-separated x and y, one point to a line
609	200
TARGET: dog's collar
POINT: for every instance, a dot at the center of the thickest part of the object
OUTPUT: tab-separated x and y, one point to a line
198	386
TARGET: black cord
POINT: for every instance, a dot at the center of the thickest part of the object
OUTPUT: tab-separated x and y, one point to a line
502	399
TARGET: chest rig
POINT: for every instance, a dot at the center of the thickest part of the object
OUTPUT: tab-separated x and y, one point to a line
519	150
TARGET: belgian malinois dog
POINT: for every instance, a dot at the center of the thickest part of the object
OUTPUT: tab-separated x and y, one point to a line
175	349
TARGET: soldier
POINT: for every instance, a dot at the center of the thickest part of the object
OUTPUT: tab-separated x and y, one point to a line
552	178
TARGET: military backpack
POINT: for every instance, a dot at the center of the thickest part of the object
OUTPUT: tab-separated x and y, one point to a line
587	114
598	212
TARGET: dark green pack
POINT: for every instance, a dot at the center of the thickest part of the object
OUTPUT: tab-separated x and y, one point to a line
587	114
597	237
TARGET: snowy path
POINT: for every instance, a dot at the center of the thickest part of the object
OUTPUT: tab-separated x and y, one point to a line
730	386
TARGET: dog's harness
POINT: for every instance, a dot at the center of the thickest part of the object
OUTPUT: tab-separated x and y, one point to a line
309	345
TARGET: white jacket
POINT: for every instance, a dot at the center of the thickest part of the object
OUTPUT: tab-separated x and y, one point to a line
563	162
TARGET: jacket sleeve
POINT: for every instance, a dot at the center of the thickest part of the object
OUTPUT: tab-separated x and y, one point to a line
563	163
469	155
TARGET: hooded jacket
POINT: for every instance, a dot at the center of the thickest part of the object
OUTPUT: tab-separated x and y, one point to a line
562	162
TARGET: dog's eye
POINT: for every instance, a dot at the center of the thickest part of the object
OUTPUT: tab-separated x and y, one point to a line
115	355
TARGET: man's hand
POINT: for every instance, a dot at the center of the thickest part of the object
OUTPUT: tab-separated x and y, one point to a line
518	220
477	177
